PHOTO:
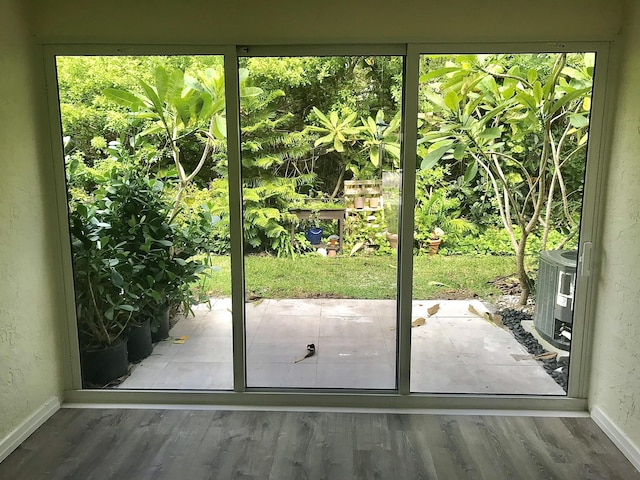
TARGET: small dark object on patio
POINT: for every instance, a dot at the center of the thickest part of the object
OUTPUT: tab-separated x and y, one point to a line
311	351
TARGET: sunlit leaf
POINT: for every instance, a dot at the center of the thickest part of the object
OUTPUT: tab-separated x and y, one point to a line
126	99
220	127
583	139
567	98
573	73
490	133
537	92
526	100
374	155
452	100
459	151
433	157
589	59
437	73
471	172
152	96
578	121
326	140
392	149
250	91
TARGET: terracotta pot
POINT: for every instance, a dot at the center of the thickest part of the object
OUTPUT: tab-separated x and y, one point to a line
434	245
393	239
374	202
331	252
358	202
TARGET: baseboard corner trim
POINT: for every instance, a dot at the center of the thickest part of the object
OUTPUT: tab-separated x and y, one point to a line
617	436
28	426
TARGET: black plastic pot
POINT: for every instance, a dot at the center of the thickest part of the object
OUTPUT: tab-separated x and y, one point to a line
160	326
139	345
100	367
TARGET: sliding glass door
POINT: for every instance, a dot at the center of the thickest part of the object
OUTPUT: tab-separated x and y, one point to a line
502	145
320	143
146	170
402	222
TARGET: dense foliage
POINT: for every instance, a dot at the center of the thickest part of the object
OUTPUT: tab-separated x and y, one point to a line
502	144
130	262
518	125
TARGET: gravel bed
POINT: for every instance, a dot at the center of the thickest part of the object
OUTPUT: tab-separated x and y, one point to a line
558	369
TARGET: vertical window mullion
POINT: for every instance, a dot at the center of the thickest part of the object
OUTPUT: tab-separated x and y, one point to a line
405	243
232	99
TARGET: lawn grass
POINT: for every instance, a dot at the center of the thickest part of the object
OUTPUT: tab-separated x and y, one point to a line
361	277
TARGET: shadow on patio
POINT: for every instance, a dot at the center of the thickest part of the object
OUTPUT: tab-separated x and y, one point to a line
453	352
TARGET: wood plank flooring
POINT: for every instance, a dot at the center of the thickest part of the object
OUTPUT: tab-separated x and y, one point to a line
197	444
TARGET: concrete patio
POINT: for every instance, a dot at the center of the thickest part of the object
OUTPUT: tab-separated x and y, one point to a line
455	351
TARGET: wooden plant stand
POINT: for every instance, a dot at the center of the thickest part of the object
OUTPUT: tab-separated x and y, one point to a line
328	214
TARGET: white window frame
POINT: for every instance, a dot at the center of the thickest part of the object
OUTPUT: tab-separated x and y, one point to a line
576	398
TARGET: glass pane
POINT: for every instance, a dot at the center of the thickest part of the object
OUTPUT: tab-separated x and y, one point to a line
146	165
502	141
320	162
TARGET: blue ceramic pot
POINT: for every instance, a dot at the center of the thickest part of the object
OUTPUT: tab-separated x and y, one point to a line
314	235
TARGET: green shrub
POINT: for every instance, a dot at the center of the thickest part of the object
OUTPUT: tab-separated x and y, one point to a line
435	208
495	241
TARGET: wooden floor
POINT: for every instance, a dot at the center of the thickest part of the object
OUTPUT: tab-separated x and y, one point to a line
191	445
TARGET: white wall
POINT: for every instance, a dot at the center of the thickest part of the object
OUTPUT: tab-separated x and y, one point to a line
30	363
615	382
326	21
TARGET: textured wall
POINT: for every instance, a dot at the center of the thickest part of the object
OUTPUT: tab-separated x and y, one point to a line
615	383
30	368
327	21
23	293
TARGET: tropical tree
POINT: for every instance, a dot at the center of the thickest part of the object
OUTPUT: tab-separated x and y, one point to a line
379	137
89	118
181	106
341	134
520	131
338	134
275	166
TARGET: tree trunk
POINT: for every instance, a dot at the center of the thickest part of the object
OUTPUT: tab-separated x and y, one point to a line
525	281
338	183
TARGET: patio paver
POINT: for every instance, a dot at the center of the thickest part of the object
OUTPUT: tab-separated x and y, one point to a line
455	351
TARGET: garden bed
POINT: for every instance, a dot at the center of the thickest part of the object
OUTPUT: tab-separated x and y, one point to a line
557	368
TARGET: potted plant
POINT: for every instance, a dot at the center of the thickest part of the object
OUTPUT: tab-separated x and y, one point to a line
138	216
105	302
435	239
391	218
191	240
364	234
314	235
131	262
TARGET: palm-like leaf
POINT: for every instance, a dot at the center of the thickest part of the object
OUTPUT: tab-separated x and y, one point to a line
336	131
378	136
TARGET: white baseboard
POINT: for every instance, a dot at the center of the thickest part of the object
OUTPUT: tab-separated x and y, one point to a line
617	436
26	428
